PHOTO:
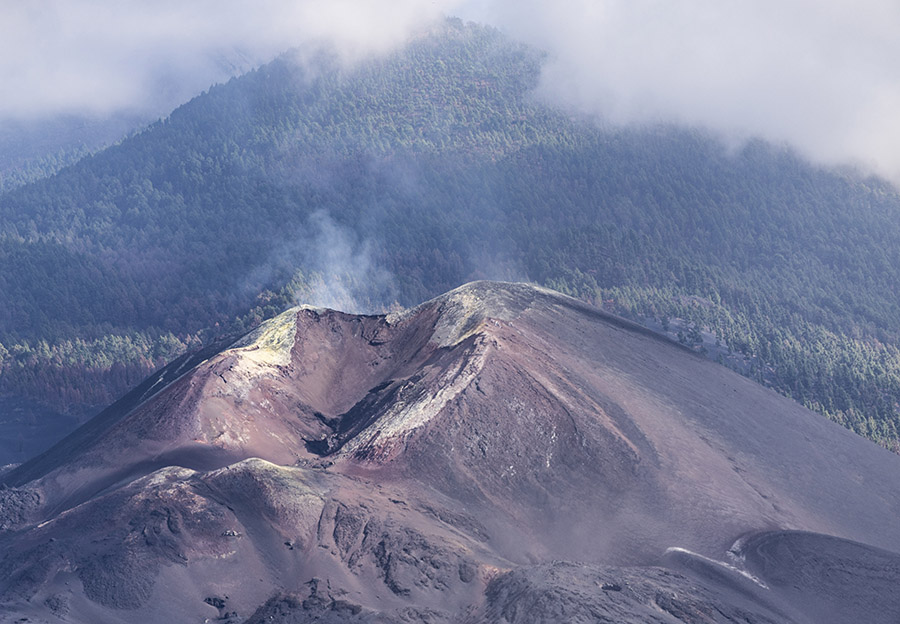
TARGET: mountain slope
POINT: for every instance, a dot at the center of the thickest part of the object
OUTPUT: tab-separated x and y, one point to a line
412	173
500	453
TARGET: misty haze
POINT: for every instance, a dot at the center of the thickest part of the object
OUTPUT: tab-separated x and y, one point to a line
449	312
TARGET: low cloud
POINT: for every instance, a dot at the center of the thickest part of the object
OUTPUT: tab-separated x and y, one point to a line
820	76
100	57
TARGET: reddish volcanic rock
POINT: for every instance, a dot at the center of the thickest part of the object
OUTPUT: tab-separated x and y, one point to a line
452	463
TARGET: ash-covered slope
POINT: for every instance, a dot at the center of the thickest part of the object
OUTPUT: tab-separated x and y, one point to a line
499	454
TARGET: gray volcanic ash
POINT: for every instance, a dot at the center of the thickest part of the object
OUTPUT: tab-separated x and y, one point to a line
499	454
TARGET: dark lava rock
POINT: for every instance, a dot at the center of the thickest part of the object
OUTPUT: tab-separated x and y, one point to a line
567	592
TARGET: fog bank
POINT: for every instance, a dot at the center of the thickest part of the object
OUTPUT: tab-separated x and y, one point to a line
822	77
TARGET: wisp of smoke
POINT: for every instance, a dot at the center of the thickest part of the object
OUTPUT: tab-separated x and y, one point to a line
328	265
344	274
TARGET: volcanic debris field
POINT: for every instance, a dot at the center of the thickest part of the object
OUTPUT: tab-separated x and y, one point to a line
501	453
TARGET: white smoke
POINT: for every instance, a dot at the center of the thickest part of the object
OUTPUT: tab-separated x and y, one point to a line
326	265
344	274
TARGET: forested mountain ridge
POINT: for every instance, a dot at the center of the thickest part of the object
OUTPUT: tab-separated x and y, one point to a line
436	164
34	149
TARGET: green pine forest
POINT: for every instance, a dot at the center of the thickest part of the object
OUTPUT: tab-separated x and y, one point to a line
440	165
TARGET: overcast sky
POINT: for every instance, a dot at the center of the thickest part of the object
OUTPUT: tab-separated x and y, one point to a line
823	76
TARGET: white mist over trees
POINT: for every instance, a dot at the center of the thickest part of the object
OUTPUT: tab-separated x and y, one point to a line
97	56
820	76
